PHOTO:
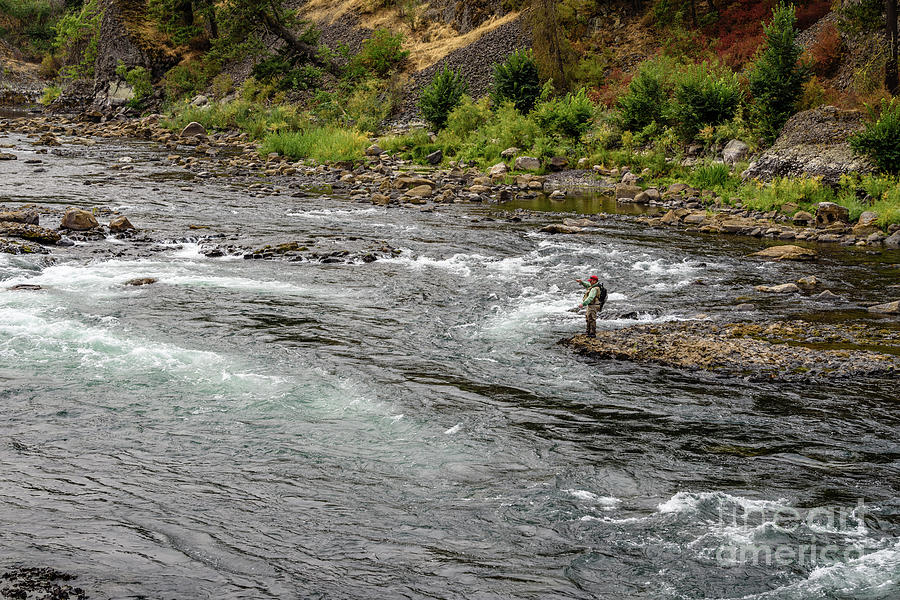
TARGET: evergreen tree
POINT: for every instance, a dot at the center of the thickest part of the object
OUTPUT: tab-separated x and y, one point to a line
778	75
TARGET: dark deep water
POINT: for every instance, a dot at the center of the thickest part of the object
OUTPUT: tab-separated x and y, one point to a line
408	428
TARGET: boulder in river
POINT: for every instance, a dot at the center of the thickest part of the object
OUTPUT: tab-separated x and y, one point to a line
139	281
8	156
26	287
627	191
786	252
560	228
784	288
888	308
893	241
78	220
29	232
20	216
120	224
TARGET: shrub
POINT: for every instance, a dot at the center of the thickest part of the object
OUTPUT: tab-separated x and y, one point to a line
183	80
716	177
380	54
880	140
569	116
777	78
222	85
323	144
647	98
50	94
441	96
704	96
78	39
516	80
139	80
467	117
280	71
170	20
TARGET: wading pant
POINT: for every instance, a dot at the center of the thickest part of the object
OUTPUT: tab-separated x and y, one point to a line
590	315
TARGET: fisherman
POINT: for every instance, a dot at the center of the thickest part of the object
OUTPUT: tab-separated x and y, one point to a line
593	301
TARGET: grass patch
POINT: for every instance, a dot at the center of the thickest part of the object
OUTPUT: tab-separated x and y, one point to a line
258	120
323	144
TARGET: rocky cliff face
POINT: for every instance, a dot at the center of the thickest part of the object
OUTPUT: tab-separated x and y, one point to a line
465	16
127	37
813	143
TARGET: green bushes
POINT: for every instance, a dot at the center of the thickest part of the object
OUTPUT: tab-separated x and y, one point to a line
256	119
647	98
139	80
516	80
380	54
777	78
569	116
50	94
441	96
323	144
880	141
78	39
704	96
280	71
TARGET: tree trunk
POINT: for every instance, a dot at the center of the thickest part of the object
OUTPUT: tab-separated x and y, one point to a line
890	74
305	52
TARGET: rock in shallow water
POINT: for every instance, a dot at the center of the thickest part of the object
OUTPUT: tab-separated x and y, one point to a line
772	352
786	252
78	220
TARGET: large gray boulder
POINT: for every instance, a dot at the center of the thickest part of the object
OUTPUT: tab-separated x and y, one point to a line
814	143
735	151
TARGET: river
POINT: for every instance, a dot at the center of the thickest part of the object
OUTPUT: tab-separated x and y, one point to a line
409	428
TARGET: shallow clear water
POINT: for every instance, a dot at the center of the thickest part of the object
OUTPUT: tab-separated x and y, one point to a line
409	427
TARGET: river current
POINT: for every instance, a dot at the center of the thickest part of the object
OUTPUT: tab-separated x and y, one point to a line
409	428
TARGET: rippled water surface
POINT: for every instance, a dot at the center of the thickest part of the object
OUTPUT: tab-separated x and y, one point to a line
409	428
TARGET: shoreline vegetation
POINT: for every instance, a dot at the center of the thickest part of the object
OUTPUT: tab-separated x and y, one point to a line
683	116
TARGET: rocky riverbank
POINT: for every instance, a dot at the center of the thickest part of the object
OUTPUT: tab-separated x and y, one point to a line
780	351
26	583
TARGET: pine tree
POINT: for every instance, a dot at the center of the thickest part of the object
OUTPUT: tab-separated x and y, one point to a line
778	75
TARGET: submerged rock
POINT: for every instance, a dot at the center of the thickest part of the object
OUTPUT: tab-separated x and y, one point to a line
141	281
784	288
888	308
26	287
20	216
29	232
786	252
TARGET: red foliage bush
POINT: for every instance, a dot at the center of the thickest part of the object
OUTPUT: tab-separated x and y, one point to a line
615	85
826	51
739	28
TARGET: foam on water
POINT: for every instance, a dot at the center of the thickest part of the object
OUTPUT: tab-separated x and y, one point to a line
874	576
106	279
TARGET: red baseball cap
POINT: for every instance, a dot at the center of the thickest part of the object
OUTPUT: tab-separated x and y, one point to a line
593	278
